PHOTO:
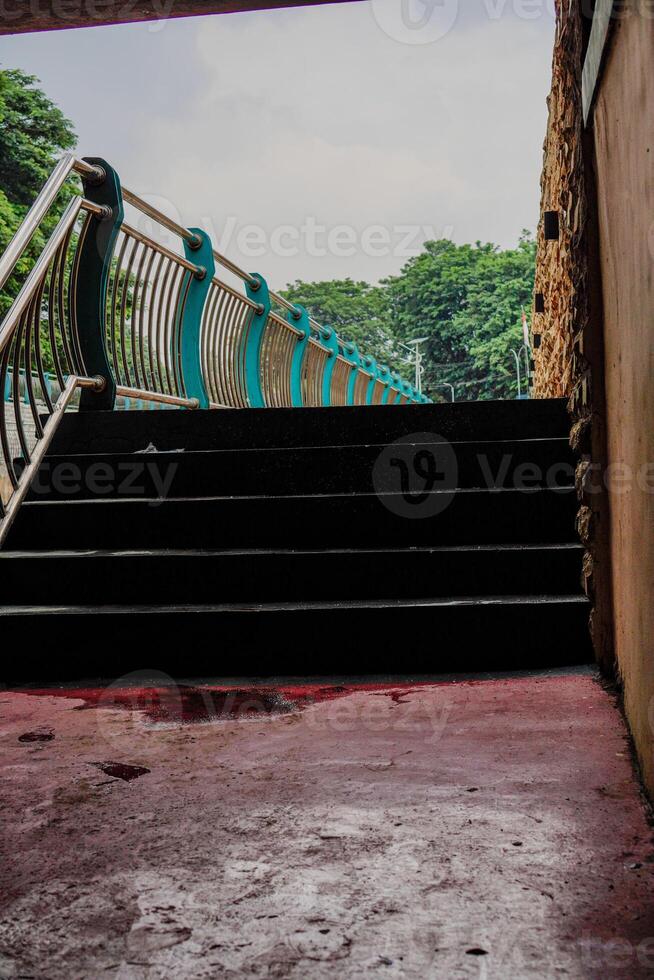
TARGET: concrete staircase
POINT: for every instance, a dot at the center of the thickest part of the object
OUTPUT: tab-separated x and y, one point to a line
422	539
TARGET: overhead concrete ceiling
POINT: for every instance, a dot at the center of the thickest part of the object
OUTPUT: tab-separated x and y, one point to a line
25	16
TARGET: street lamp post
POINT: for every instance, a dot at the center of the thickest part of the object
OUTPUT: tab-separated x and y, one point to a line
527	352
414	347
446	384
517	368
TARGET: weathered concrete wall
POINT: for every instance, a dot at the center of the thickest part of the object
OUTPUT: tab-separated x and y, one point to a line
624	149
597	334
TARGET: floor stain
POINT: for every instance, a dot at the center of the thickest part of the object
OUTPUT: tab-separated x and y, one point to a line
40	735
120	770
189	704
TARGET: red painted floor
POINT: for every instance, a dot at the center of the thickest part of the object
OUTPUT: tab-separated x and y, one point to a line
486	828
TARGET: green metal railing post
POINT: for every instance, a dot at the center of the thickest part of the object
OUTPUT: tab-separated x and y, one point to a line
89	297
200	252
370	365
329	339
299	319
393	378
260	295
351	354
384	376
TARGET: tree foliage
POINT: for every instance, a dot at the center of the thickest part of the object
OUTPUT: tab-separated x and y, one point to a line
357	311
466	300
33	135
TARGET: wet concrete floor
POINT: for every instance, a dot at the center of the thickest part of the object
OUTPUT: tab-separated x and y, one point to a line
486	827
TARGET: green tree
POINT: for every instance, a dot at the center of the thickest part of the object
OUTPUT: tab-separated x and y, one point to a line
501	287
467	301
33	133
425	299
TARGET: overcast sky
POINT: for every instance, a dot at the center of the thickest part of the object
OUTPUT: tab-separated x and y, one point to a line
320	142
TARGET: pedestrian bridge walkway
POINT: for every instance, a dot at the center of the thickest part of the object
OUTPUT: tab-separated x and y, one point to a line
149	313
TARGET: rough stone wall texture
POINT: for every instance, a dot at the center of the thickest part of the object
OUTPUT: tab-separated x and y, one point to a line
561	266
569	360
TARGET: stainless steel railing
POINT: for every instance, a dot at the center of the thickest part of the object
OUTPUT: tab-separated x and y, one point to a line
155	324
225	330
39	336
226	326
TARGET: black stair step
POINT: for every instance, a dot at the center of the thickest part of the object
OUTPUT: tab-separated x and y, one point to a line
329	469
312	639
93	432
346	521
119	578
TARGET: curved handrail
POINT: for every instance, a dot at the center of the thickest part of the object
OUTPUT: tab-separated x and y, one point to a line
153	325
43	312
188	236
40	208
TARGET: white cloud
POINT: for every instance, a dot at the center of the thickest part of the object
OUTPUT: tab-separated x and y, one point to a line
272	118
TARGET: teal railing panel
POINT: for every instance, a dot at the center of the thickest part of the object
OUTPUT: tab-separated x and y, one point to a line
329	339
299	320
200	252
90	290
260	295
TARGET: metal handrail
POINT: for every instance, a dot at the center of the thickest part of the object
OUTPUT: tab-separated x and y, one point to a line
253	281
24	297
248	278
40	208
226	325
157	280
140	394
106	311
197	270
74	383
151	212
